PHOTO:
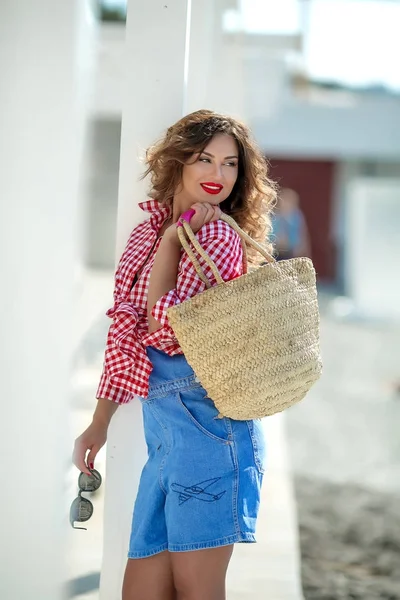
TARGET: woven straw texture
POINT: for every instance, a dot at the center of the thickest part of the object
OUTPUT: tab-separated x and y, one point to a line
254	341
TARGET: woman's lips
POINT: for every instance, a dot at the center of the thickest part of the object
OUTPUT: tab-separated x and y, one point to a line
212	188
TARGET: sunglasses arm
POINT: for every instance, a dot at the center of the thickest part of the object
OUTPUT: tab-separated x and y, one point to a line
74	527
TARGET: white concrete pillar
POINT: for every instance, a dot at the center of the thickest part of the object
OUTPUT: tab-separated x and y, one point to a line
217	59
40	149
157	35
156	59
372	270
203	56
216	62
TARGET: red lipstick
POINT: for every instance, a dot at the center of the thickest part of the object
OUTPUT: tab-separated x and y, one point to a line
212	188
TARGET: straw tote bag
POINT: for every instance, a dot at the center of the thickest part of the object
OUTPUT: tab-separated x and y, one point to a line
253	342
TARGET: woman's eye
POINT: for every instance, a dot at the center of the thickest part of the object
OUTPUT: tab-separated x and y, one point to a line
204	159
231	164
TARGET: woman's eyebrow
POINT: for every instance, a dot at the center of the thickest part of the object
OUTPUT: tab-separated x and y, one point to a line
212	155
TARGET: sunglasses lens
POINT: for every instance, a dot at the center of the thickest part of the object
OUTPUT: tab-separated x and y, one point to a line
89	483
81	510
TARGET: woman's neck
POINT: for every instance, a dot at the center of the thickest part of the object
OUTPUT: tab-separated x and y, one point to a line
180	204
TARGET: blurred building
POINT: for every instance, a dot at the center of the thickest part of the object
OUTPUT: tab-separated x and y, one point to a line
323	103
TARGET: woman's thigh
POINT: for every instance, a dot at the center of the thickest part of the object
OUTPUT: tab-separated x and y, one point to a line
149	578
200	574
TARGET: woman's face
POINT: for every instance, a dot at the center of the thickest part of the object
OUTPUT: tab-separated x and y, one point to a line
211	175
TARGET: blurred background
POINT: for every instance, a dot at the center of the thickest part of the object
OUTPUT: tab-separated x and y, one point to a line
319	84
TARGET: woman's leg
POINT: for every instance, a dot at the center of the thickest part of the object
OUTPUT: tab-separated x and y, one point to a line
200	574
149	578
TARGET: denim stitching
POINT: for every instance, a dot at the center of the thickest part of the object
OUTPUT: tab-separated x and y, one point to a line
257	458
153	409
238	537
235	485
164	389
199	426
160	473
147	553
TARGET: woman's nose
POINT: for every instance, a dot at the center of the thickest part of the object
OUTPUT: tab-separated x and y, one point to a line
217	172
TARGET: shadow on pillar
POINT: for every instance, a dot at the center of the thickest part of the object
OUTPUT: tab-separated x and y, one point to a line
101	192
83	585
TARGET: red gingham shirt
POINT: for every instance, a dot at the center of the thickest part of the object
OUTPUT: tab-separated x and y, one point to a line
126	365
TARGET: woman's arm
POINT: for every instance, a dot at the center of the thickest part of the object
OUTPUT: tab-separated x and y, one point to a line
104	411
164	272
88	444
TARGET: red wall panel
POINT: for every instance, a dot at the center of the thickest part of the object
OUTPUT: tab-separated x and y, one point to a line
313	180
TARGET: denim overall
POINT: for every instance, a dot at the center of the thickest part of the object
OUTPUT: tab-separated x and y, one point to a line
200	487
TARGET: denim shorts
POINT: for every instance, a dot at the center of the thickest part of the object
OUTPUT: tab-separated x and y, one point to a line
200	487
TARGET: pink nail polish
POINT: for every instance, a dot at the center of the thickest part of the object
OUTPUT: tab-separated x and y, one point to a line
91	465
186	216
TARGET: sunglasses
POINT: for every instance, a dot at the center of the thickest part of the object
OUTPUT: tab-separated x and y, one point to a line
81	508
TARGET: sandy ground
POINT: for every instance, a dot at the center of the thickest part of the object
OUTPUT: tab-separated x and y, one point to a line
345	450
350	541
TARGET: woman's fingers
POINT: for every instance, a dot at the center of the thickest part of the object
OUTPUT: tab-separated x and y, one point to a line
91	456
198	219
78	457
217	213
210	211
213	213
204	213
89	443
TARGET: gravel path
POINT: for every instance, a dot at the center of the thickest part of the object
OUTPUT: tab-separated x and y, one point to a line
345	448
350	542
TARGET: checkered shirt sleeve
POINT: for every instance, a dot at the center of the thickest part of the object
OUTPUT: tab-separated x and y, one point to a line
223	246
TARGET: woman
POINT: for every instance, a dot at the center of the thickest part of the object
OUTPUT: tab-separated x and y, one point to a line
200	488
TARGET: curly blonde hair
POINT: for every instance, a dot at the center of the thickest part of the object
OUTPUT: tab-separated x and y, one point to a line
254	194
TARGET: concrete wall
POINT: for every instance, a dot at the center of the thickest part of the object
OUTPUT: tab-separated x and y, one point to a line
250	78
372	269
367	128
348	173
108	74
102	168
42	125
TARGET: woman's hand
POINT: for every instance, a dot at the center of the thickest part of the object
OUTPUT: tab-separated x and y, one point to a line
205	213
92	439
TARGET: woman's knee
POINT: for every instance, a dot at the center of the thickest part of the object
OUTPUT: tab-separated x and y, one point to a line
149	578
190	590
200	574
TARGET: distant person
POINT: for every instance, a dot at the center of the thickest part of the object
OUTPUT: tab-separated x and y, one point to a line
289	228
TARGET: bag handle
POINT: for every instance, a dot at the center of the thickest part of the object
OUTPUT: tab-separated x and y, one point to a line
184	228
195	262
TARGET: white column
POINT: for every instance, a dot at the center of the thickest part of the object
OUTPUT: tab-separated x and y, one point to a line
40	146
215	61
372	270
203	55
155	74
155	92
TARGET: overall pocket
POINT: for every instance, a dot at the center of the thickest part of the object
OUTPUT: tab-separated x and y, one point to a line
202	413
257	435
